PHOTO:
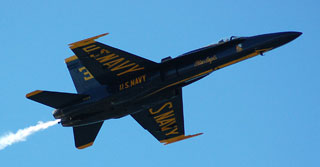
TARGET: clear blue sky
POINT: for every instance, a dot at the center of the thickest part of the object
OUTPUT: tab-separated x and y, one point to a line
261	112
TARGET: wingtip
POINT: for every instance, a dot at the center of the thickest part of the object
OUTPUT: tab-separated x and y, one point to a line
69	59
33	93
85	41
178	138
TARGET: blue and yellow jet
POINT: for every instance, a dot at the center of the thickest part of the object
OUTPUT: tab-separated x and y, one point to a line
112	83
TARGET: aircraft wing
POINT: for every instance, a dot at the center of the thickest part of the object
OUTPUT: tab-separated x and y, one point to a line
107	64
164	120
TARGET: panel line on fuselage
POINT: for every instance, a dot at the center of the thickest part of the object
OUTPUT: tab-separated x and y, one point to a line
178	82
255	53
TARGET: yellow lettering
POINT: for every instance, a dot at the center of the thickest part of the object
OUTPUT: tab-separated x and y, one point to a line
140	79
104	51
207	60
86	73
169	104
93	56
164	116
121	87
132	83
168	126
90	48
166	123
134	68
107	58
122	65
113	62
174	131
144	78
126	85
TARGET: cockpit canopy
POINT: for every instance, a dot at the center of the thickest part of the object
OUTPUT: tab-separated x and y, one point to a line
213	45
228	39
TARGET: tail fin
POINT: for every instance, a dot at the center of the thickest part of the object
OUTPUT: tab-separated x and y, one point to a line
83	80
56	99
84	136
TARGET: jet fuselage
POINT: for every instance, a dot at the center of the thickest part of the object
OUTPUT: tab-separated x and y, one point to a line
132	95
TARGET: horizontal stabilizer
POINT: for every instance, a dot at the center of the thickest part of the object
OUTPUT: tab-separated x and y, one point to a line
84	136
55	99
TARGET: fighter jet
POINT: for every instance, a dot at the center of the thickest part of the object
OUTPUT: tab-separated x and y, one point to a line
112	83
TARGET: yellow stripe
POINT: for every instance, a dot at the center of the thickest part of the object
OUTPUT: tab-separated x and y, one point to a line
236	61
178	138
243	58
69	59
208	71
200	74
176	83
85	146
33	93
172	139
85	41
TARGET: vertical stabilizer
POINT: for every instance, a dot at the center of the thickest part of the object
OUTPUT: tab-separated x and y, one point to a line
83	80
84	136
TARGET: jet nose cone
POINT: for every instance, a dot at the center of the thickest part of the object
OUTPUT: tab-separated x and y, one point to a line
296	34
286	37
275	40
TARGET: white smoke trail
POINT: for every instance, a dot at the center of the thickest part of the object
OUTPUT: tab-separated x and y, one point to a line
22	134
